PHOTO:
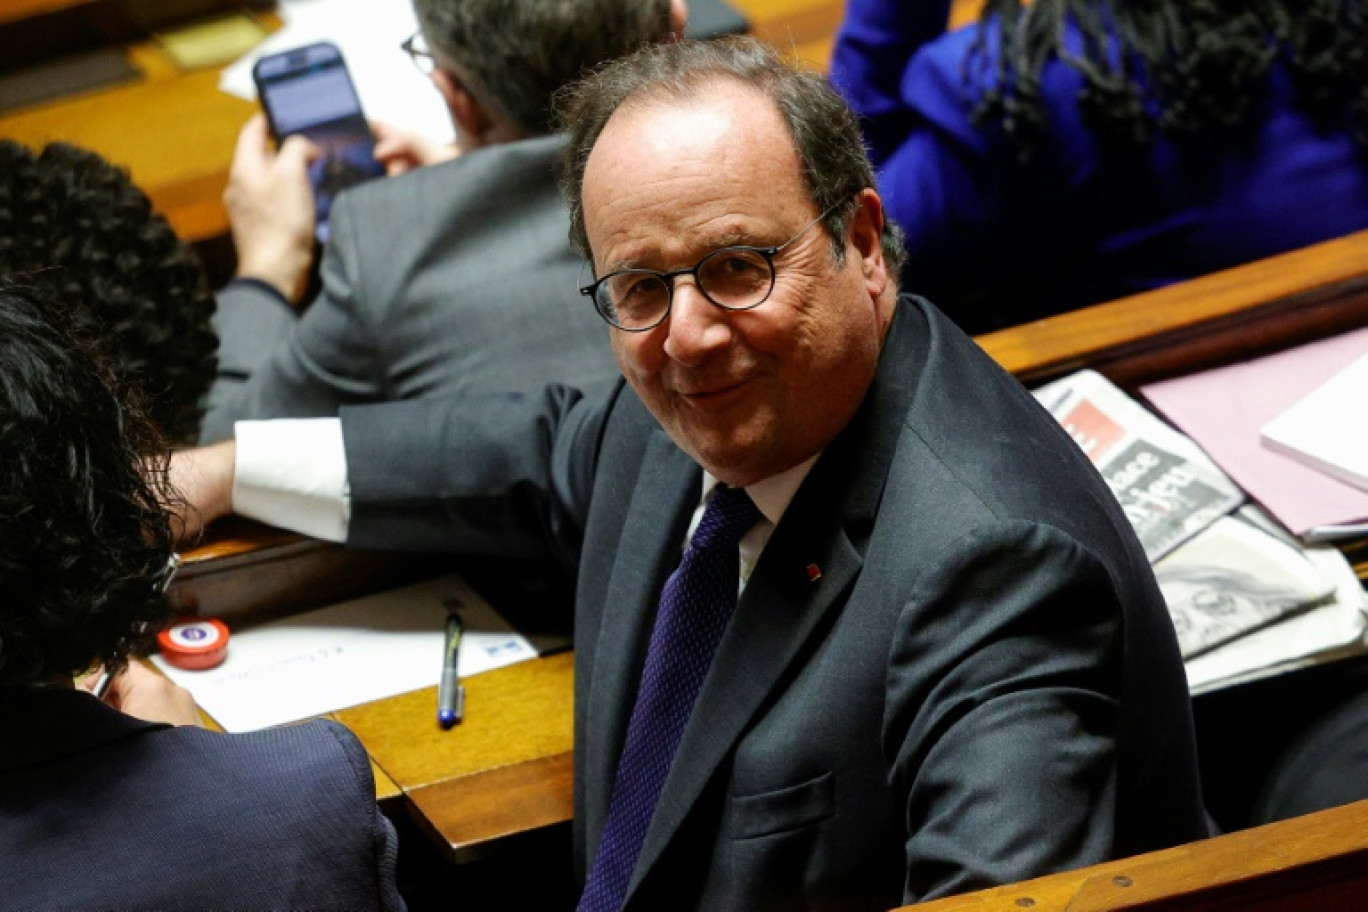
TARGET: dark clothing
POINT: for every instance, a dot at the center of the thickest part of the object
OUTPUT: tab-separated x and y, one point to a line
99	810
950	668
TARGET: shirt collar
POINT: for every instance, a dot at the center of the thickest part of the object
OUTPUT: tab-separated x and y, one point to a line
771	495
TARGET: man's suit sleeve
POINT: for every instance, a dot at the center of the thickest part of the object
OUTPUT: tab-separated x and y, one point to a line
301	366
249	318
1003	711
499	474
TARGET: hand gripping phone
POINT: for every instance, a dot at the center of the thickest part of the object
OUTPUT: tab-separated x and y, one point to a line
308	91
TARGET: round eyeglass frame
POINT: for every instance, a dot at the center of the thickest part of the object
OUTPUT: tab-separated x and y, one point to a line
421	57
592	290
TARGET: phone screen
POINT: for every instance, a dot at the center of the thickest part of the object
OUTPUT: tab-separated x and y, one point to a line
308	91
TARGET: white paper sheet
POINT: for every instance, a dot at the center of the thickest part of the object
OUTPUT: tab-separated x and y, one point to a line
349	653
369	33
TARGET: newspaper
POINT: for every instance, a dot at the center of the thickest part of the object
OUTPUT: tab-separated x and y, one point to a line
1166	485
1233	578
1323	632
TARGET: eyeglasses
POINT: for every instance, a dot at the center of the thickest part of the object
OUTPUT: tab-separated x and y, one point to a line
732	278
416	48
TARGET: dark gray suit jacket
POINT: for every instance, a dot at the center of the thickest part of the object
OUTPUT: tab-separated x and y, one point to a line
980	685
99	810
456	278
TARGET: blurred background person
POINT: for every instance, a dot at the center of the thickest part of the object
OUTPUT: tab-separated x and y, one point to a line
453	278
74	224
124	802
1066	152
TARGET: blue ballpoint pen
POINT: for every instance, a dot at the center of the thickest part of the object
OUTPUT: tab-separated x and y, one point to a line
450	692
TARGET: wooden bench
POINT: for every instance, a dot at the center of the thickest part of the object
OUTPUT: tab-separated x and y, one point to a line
1316	862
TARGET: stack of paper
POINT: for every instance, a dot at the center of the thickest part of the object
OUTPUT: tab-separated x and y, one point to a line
1246	599
1224	409
1328	428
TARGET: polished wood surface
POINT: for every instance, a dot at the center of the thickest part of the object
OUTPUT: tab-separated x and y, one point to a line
504	771
1226	316
1315	862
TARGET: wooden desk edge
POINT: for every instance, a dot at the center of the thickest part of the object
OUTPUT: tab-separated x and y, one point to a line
473	814
1229	871
1289	297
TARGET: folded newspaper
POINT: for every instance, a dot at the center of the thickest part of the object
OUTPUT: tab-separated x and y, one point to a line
1326	630
1245	597
1233	578
1169	489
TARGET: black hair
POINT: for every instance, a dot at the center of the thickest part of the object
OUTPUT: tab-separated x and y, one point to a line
73	223
1164	67
84	533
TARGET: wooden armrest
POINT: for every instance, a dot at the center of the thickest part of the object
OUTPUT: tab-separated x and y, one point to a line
1214	319
1319	861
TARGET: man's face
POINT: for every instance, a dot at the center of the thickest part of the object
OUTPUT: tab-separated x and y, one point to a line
750	393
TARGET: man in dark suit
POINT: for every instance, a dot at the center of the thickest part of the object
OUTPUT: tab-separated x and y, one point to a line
450	278
949	665
124	802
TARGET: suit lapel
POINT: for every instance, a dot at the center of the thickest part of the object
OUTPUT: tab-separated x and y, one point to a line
665	496
821	535
776	616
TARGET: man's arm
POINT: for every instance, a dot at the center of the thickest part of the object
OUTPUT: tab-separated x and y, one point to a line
1004	693
874	46
500	474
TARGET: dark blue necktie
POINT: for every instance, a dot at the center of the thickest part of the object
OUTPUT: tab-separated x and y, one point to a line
696	604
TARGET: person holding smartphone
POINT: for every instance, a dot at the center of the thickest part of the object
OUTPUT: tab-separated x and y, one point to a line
454	274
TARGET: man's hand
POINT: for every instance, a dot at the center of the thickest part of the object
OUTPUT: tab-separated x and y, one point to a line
204	479
146	695
271	208
400	151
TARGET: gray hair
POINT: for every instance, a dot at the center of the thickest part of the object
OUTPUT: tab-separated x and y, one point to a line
824	130
513	55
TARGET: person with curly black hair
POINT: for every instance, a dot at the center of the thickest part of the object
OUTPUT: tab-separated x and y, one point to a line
74	223
101	799
1060	153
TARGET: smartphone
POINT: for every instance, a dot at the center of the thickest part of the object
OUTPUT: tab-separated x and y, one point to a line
308	91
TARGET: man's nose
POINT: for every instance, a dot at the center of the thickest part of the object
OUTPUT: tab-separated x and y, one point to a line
697	326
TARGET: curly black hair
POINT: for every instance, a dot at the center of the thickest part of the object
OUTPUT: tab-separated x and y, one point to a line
1165	67
75	224
84	532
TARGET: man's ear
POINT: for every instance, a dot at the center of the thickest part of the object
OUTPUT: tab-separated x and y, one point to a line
471	119
866	240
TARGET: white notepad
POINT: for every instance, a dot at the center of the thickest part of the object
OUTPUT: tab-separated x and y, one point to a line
1327	429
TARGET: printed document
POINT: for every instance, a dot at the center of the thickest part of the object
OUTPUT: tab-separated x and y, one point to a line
349	653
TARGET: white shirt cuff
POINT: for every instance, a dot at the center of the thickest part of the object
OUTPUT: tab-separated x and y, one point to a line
292	473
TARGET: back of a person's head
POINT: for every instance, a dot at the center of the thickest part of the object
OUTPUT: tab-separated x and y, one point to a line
84	537
75	225
513	55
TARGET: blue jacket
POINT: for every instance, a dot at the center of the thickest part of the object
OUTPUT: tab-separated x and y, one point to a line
994	242
99	810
